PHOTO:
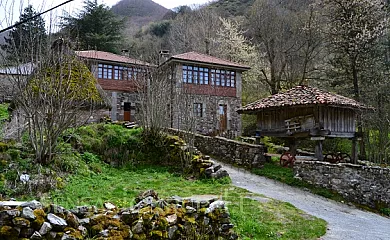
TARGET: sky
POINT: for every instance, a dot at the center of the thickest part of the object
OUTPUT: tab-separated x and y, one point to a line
10	9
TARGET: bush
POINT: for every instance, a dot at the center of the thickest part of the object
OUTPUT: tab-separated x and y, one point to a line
115	144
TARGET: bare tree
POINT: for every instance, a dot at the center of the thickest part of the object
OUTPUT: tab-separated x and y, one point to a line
194	31
286	33
59	94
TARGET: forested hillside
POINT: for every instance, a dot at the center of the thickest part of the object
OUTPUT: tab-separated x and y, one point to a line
139	13
232	7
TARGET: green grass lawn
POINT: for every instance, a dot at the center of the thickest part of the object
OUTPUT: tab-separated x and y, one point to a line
253	220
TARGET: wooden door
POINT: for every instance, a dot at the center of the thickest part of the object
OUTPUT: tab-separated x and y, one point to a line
222	117
127	111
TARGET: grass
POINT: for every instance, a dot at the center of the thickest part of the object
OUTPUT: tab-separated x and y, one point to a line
252	219
274	171
4	115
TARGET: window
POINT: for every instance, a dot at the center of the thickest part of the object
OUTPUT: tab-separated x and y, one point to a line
105	71
206	76
116	72
198	109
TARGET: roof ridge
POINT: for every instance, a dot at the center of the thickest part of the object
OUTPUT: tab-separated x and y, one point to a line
303	95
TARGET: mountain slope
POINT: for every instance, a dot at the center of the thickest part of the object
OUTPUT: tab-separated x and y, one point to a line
139	12
232	7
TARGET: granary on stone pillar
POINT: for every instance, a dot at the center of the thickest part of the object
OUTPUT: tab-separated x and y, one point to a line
307	112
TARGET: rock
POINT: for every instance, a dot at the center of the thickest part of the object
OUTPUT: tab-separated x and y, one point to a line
83	230
161	204
220	174
7	215
45	228
174	200
215	205
84	221
28	213
209	171
172	232
56	221
33	205
26	232
52	235
21	222
172	219
226	227
104	233
148	193
36	235
148	201
68	237
72	220
81	211
190	210
138	228
109	206
57	209
216	168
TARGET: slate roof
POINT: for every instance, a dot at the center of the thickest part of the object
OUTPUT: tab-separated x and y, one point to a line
111	57
203	58
302	96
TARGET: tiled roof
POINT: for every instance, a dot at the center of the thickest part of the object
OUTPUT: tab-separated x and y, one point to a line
302	96
111	57
203	58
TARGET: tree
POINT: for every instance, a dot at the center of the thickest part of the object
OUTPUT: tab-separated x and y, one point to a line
354	29
27	39
285	34
59	94
194	31
231	44
95	27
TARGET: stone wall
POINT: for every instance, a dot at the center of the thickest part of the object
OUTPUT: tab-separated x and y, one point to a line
150	218
364	185
226	150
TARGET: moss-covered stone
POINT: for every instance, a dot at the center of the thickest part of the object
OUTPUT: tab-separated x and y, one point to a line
96	229
39	219
73	233
8	232
21	222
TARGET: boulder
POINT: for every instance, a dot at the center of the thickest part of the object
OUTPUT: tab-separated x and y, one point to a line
28	213
56	221
45	228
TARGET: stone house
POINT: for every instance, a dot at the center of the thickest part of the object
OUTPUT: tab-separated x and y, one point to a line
203	92
10	75
119	76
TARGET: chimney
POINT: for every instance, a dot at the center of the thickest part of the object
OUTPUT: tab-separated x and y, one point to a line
163	56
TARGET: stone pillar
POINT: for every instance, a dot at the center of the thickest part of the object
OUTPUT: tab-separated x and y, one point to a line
114	106
354	153
318	153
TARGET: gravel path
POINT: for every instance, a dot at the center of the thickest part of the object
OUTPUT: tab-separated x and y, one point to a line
344	222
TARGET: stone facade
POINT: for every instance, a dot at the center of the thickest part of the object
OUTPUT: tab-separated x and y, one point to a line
211	98
364	185
229	151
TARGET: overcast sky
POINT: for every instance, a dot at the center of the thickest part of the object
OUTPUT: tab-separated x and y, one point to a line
10	9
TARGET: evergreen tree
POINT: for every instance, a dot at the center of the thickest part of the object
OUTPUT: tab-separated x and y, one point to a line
95	27
26	41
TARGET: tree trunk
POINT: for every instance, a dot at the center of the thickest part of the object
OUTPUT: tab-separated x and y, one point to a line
359	120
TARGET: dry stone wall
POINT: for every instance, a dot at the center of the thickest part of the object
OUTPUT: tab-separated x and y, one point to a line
150	218
366	185
226	150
